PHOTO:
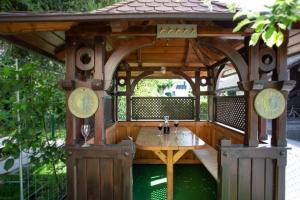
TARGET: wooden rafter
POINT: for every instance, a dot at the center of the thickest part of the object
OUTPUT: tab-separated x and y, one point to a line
199	54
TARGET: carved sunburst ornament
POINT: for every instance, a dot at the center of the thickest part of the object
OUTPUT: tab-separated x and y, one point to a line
269	103
83	102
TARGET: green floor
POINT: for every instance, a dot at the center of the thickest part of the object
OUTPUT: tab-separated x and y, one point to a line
191	182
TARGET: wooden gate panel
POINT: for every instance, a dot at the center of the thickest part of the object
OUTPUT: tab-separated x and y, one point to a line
100	172
251	173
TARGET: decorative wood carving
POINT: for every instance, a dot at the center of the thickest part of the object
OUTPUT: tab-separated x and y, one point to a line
267	59
269	103
85	58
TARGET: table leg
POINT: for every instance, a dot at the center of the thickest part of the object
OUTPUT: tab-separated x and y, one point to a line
170	174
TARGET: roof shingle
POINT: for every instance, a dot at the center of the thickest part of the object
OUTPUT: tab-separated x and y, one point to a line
163	6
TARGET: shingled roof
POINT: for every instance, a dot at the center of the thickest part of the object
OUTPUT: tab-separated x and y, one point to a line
163	6
131	9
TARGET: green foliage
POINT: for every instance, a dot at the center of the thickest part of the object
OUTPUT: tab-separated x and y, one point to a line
53	5
203	108
40	100
152	87
270	26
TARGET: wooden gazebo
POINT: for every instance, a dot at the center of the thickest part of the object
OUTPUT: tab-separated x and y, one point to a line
132	40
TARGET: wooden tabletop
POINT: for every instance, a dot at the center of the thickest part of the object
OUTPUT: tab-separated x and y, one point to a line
150	138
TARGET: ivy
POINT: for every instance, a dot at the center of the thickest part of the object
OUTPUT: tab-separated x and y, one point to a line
270	27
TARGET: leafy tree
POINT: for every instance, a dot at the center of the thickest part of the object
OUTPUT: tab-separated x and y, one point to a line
40	100
53	5
272	25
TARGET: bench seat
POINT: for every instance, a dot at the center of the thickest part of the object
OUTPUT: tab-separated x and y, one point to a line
209	158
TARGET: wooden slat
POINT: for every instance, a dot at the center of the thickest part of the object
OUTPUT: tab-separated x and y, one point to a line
107	183
233	173
293	40
37	42
51	38
258	176
294	49
60	34
81	181
244	179
269	179
92	171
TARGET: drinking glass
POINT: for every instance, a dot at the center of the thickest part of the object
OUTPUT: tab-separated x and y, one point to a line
85	131
176	124
159	128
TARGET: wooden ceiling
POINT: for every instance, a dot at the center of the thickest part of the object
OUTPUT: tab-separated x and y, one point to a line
48	38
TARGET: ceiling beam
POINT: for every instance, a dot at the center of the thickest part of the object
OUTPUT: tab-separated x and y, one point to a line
104	30
199	54
15	28
29	46
167	69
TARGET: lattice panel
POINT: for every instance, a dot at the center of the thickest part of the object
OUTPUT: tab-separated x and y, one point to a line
181	108
231	111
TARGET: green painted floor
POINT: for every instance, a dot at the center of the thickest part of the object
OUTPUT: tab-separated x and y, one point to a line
191	182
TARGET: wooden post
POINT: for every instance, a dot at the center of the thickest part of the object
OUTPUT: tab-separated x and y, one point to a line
128	95
210	88
99	75
71	129
280	74
251	136
197	95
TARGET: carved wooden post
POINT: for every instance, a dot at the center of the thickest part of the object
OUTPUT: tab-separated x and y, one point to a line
251	136
280	74
99	75
71	128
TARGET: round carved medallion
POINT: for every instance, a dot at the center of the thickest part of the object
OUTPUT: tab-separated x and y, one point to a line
267	59
269	103
83	102
85	58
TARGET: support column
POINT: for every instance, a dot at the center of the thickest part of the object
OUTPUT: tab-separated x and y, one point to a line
197	95
128	94
71	128
210	89
280	74
100	137
251	132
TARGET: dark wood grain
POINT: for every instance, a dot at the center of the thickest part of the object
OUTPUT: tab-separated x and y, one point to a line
100	172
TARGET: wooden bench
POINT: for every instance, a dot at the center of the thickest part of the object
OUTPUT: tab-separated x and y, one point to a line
209	158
